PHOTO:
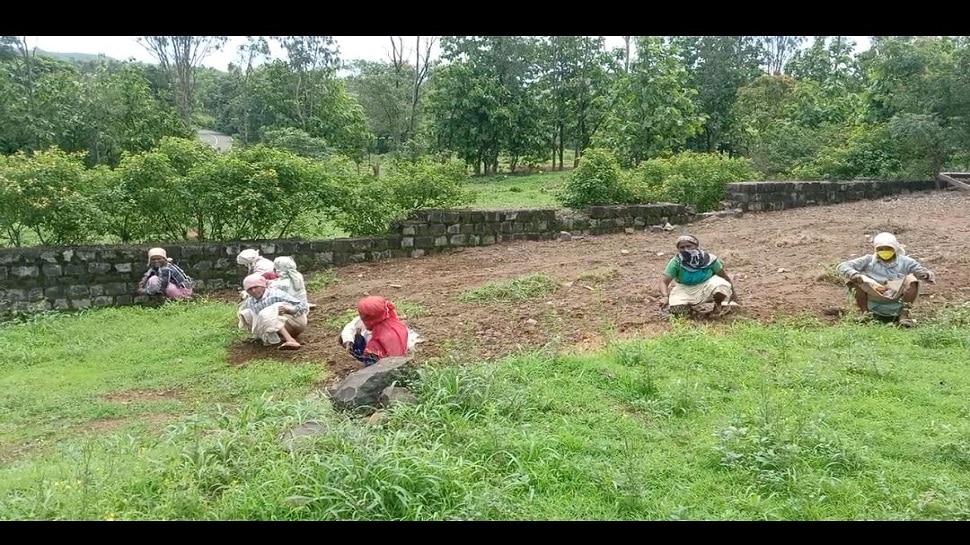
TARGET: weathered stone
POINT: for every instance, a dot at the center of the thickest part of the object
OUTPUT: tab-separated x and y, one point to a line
417	253
95	290
123	267
102	301
13	295
99	268
393	395
214	284
25	271
116	288
309	428
53	292
80	303
360	391
78	291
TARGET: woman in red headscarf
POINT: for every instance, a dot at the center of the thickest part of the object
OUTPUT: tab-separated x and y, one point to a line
377	332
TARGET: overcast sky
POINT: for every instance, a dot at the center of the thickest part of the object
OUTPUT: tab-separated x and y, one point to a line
371	48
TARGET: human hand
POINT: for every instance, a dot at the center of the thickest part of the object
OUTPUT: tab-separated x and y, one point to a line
929	277
284	310
879	288
349	346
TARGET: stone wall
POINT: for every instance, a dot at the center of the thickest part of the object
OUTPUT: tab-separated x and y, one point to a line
767	196
40	279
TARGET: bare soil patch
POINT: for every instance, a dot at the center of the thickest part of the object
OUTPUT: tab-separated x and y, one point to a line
782	263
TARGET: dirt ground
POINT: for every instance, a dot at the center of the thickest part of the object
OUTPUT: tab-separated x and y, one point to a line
782	262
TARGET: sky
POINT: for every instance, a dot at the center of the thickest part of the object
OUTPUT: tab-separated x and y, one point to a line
371	48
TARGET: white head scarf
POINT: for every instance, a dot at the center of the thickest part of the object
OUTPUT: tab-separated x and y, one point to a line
284	266
888	239
247	256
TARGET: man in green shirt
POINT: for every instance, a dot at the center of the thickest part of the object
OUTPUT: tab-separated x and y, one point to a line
694	277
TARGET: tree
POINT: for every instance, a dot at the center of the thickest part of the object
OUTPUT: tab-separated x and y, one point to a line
383	90
577	72
651	108
179	56
484	100
778	51
312	60
420	72
717	66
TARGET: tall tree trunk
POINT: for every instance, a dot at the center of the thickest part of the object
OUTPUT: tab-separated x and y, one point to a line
562	143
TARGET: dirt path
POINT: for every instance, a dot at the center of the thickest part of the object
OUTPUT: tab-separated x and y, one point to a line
621	298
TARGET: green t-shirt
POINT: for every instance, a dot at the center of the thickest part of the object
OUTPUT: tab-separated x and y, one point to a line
691	278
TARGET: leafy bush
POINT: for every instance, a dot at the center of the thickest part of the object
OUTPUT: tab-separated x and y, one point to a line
136	198
48	193
296	141
596	181
692	178
247	193
373	203
859	152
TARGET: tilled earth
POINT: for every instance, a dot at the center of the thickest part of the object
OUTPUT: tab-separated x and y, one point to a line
782	262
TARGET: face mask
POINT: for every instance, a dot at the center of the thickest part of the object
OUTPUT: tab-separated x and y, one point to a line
885	255
688	255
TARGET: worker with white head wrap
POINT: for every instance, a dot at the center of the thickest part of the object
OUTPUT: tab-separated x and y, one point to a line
885	283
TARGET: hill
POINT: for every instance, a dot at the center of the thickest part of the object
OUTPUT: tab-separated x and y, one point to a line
72	57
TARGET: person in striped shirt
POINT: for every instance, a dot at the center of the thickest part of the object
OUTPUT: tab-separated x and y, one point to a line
164	277
271	315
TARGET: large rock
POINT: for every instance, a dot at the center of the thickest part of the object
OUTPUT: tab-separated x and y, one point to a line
361	391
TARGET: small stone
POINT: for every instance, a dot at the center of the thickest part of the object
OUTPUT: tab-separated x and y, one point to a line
782	270
628	230
624	252
531	321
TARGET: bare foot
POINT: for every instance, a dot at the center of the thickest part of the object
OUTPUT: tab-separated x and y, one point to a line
290	345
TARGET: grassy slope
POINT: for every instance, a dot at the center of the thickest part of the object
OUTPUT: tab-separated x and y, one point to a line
792	421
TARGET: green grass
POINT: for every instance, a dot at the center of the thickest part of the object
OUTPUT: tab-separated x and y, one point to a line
64	374
526	287
517	191
320	280
793	421
599	276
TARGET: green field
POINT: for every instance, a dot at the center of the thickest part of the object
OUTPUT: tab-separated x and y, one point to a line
135	414
518	191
